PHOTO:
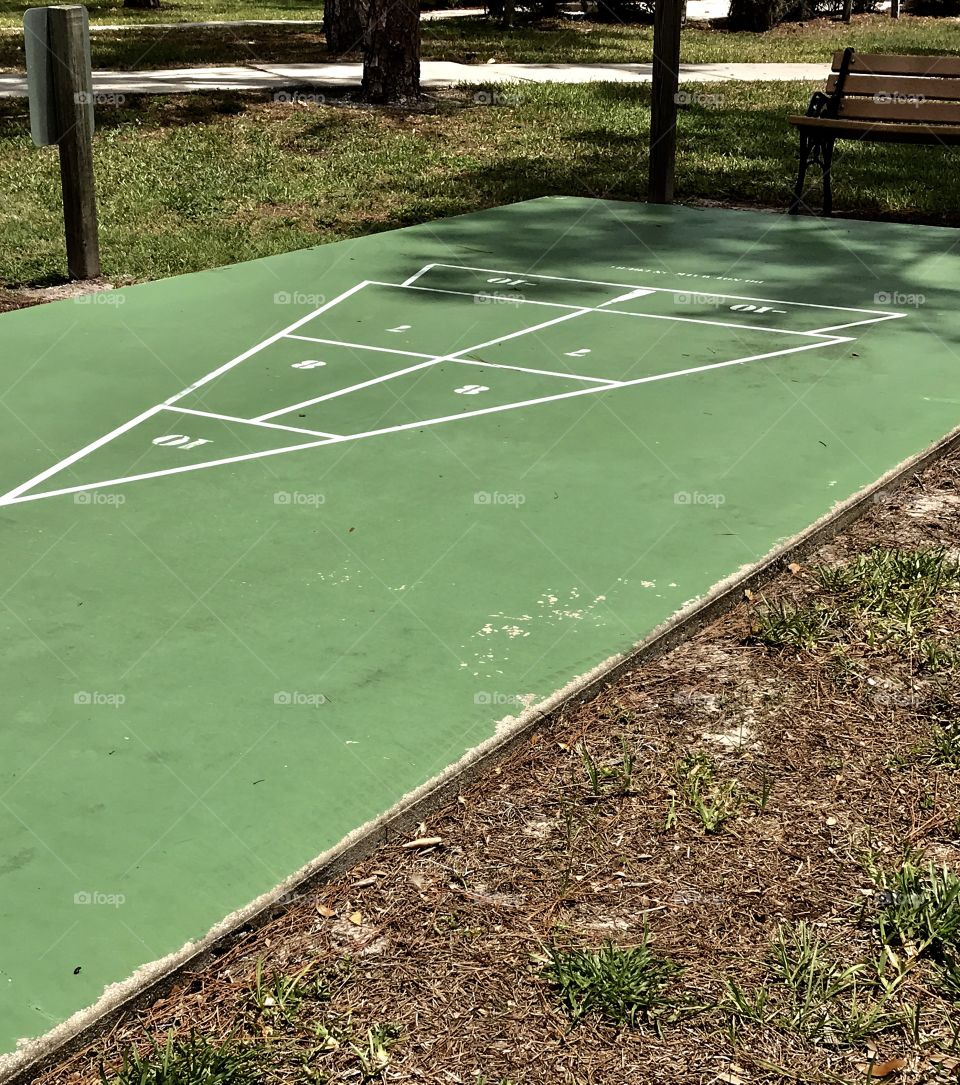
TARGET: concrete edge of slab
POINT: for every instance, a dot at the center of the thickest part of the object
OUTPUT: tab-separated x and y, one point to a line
153	980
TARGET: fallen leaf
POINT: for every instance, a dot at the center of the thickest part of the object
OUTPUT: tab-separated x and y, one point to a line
794	568
356	918
946	1061
730	1079
882	1069
327	913
364	882
423	842
747	593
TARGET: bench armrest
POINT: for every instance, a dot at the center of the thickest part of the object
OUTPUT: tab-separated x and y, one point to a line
822	105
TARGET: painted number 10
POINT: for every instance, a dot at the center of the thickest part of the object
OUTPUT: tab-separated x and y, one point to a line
179	440
748	308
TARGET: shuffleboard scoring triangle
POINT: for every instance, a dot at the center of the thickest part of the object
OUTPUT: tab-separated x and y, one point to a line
163	441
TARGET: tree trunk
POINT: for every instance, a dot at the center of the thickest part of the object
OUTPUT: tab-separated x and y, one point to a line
343	24
391	57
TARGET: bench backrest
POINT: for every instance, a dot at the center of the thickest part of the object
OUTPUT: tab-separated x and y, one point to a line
887	87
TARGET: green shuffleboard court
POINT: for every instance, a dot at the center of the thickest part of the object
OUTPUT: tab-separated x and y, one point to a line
283	541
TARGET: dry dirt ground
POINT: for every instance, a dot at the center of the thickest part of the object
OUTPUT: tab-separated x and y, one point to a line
761	807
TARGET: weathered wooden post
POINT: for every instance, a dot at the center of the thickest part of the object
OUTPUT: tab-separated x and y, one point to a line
60	87
663	99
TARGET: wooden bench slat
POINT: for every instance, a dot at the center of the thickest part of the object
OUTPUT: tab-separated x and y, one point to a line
868	109
898	85
894	64
872	132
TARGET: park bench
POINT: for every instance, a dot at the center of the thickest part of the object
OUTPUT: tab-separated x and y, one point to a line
881	98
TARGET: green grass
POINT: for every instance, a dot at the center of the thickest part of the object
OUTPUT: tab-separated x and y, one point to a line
470	40
613	778
944	746
783	624
144	47
810	993
198	181
193	1060
622	986
584	42
920	909
279	998
174	11
888	595
714	802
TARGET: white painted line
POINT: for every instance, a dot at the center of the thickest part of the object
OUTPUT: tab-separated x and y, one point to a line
251	422
422	271
669	290
360	346
346	391
543	372
10	499
859	323
640	292
620	312
169	471
69	460
260	346
14	494
423	365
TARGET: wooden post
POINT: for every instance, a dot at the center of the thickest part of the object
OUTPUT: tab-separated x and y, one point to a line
72	101
663	100
847	10
894	9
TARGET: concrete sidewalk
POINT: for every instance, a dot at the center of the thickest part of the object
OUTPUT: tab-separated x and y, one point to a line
434	73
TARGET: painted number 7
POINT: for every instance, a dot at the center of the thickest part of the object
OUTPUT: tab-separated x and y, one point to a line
179	440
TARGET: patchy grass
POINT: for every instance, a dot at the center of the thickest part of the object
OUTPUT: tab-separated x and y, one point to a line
178	11
191	182
613	778
143	47
887	598
817	996
713	802
191	1060
920	909
622	985
473	40
583	42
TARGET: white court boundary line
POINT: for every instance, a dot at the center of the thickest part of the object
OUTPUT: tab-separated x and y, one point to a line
18	494
874	313
249	422
619	312
12	495
7	500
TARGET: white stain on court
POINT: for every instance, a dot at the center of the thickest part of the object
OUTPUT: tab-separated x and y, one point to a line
489	648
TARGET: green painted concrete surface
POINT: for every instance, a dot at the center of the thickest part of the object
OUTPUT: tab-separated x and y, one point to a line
220	656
